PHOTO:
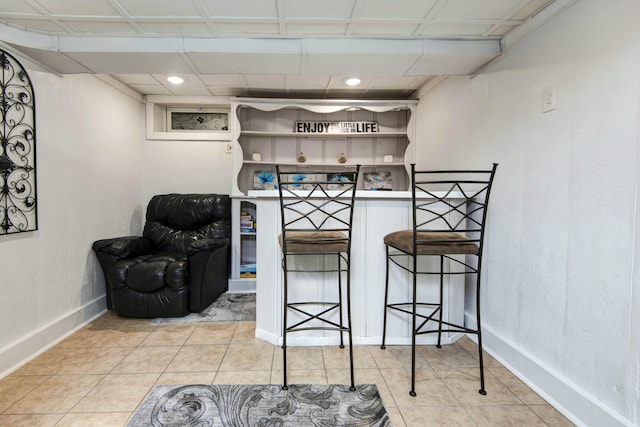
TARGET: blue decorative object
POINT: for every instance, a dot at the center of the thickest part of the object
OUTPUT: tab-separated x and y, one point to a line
264	180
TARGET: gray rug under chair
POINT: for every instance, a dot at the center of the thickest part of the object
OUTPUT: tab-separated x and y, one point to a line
229	307
262	406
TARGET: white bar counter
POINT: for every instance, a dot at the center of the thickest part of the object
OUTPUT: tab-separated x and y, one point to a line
376	214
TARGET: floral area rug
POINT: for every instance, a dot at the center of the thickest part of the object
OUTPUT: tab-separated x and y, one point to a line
229	307
261	405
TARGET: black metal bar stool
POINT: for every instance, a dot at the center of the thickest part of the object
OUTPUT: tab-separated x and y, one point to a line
316	210
449	215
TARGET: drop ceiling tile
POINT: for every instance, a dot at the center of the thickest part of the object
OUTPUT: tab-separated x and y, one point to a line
17	7
136	79
265	81
227	91
531	8
385	9
38	25
318	9
150	89
99	27
174	27
79	7
243	29
380	29
176	9
306	82
475	10
222	80
244	8
397	82
333	29
462	30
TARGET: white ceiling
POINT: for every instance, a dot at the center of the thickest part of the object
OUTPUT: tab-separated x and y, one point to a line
285	48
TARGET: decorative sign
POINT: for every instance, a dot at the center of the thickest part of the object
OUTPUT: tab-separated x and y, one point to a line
336	127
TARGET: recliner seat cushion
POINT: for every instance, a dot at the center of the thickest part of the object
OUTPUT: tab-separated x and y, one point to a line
150	273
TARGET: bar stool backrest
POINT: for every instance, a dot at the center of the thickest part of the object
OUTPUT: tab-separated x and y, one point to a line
448	204
317	207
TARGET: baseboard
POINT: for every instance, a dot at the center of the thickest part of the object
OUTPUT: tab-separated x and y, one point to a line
242	285
40	340
573	402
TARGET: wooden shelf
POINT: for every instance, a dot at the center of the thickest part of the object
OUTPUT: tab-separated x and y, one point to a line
324	135
320	164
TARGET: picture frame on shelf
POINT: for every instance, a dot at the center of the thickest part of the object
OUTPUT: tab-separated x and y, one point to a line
197	120
264	180
336	180
378	181
303	181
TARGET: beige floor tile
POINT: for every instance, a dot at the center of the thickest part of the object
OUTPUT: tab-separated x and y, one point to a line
300	376
82	338
504	415
436	416
243	377
14	388
245	333
299	358
448	356
199	358
516	386
464	383
168	335
363	376
395	357
49	362
37	420
58	394
110	419
117	393
214	333
396	417
147	359
551	415
122	338
186	378
472	348
338	358
430	389
96	360
248	357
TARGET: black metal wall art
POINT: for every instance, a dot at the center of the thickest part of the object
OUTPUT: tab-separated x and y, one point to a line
18	211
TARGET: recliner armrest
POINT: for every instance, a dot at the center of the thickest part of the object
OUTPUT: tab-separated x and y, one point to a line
207	244
123	247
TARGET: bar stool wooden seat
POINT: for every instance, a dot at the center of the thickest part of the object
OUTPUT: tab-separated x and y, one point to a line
449	211
316	210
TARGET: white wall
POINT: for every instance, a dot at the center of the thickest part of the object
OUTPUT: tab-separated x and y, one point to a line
561	294
172	166
89	141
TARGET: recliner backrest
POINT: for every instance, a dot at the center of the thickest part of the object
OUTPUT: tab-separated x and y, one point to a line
175	221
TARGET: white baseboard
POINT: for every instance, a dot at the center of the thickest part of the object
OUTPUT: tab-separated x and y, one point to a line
242	286
573	402
40	340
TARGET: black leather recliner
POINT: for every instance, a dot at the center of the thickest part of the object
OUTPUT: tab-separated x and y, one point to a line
180	264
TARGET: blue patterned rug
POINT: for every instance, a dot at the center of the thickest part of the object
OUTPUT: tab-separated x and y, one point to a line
261	405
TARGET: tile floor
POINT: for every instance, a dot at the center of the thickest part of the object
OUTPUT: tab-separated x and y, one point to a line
99	375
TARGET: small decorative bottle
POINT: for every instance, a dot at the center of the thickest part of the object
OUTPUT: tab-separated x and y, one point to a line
301	158
342	158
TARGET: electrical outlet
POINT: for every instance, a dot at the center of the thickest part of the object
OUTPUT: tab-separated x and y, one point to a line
228	148
548	99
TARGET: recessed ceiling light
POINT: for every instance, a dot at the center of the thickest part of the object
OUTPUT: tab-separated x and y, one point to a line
175	80
352	81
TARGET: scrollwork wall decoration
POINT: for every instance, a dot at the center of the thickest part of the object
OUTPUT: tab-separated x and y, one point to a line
18	211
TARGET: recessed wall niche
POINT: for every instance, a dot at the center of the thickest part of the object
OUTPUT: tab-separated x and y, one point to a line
18	212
